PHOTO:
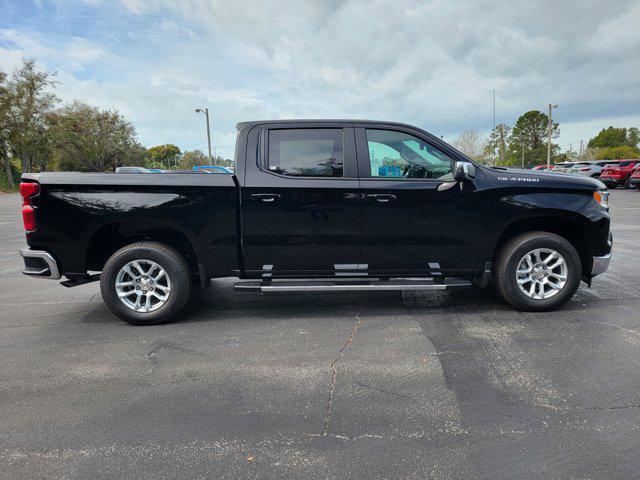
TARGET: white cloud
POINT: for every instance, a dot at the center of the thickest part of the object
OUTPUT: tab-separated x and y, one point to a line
430	63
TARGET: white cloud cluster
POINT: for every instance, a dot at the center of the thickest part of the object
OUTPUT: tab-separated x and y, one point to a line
433	63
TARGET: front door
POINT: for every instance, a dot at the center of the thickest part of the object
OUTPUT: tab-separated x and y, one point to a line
301	210
416	218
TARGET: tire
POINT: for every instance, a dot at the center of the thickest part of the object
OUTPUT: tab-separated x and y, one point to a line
627	184
509	260
175	283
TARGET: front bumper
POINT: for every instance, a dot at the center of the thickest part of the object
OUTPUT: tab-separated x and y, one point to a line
38	263
611	182
600	264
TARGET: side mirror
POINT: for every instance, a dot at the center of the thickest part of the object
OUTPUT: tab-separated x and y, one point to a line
464	172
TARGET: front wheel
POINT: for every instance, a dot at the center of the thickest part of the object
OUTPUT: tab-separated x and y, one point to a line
146	283
537	271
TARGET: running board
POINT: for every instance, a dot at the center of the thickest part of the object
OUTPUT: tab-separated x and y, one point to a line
349	285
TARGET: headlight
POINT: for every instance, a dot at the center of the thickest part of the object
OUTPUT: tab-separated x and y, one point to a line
602	197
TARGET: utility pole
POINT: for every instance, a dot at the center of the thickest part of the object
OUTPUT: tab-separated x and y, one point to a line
580	148
494	123
206	113
549	127
522	143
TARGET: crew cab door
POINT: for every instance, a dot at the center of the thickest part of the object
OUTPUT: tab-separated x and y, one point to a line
300	204
416	218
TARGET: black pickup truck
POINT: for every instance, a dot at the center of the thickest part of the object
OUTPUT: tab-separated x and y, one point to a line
319	205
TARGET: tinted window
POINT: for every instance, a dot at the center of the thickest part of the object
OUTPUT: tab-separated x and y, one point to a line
626	164
306	152
401	155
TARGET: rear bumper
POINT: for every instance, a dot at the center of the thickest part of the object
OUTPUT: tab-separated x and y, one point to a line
38	263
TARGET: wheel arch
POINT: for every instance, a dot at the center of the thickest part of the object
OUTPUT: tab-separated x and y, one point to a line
105	240
573	230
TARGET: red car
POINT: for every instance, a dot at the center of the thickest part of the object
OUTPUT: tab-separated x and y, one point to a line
634	180
618	175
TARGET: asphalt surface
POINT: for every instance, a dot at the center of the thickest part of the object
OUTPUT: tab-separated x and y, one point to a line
344	385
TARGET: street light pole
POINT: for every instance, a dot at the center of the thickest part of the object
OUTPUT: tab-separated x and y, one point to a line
206	113
549	125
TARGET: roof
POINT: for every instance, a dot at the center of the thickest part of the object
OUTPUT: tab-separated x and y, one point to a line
253	123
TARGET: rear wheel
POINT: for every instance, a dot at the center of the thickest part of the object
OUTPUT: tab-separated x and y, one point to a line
537	271
146	283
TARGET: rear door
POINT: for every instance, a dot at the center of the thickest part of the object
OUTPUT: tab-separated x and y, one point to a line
301	210
416	218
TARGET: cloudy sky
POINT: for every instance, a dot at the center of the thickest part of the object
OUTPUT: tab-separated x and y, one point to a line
430	63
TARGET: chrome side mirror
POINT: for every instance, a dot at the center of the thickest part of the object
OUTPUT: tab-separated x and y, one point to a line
464	171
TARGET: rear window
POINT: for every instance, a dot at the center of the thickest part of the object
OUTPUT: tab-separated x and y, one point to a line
626	164
308	152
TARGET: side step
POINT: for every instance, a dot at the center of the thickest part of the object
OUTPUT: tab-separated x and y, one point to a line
324	285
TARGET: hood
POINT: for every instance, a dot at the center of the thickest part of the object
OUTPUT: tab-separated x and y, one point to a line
512	177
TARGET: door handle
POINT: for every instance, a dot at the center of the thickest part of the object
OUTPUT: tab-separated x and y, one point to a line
266	197
381	197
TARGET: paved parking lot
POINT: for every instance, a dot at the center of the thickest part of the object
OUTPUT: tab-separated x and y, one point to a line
362	385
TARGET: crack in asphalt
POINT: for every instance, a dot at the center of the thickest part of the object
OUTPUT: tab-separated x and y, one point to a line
334	373
160	346
615	407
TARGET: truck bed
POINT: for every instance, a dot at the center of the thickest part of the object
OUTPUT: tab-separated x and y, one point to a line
81	216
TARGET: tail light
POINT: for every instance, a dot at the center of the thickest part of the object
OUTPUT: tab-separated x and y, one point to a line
28	190
585	169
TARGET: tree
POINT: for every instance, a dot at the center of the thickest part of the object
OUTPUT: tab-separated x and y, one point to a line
192	158
470	143
90	139
25	101
498	141
609	137
531	128
616	153
633	137
30	103
225	162
589	154
5	124
167	154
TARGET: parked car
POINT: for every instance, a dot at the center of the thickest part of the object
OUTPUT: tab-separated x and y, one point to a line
213	169
539	168
132	170
634	179
575	168
618	174
563	167
594	169
317	206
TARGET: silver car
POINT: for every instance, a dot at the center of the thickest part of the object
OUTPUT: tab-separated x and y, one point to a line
563	167
593	169
576	167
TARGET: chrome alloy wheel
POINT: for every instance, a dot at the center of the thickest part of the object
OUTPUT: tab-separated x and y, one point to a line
143	286
541	273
